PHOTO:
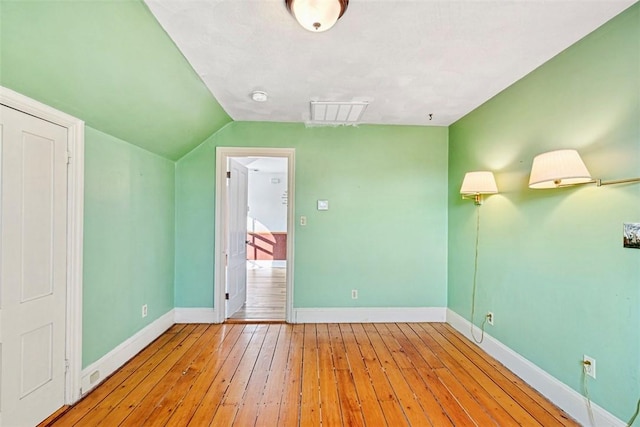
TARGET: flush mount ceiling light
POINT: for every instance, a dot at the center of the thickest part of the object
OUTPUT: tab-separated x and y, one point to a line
259	96
317	15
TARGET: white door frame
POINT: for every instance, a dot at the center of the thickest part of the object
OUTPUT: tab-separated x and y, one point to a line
222	154
75	220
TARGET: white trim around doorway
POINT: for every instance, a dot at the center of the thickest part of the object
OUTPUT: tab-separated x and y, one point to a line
75	221
222	155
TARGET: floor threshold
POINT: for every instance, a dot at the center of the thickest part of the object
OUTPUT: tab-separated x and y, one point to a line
255	321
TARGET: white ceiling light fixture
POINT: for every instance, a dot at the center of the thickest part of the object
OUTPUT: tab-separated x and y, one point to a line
337	113
259	96
317	15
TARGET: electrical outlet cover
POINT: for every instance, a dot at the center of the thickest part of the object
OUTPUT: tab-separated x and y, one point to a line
589	366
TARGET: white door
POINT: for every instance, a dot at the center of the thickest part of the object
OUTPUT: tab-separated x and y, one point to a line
237	237
33	267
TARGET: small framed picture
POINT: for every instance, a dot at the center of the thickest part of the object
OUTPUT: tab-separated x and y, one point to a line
631	235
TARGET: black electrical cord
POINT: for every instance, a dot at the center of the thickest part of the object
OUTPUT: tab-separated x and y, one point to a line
475	282
634	415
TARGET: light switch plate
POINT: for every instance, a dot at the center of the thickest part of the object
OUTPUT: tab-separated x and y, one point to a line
323	205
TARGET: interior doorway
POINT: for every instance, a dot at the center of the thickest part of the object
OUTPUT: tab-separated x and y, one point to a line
254	229
265	258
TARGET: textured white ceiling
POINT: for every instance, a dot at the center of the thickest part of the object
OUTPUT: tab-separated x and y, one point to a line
407	58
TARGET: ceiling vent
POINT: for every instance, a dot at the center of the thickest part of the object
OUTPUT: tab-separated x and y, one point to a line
337	113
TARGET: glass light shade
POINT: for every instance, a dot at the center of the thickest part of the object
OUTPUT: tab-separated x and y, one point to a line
316	15
480	182
555	168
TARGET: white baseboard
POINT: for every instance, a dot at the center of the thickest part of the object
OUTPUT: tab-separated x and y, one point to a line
563	396
369	314
195	315
95	373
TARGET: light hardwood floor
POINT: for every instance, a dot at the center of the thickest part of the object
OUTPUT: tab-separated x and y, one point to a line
404	374
266	295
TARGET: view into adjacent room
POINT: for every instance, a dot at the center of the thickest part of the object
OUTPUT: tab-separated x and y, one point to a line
266	239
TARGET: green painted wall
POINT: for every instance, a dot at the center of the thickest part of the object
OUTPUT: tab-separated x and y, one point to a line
129	218
551	263
110	64
385	232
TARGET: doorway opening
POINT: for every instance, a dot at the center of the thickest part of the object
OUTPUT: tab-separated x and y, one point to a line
266	239
254	229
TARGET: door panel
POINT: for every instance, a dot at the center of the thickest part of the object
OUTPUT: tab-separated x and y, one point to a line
37	222
237	228
36	370
33	267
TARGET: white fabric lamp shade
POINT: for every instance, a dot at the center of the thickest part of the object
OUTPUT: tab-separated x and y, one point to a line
479	182
555	168
316	15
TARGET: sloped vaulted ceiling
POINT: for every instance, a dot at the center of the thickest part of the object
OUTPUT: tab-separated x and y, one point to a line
110	64
417	62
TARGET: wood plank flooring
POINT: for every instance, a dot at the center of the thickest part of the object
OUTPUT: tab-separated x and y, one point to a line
393	374
266	295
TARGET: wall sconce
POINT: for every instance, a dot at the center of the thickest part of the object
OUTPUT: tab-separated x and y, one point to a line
475	184
317	15
563	168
